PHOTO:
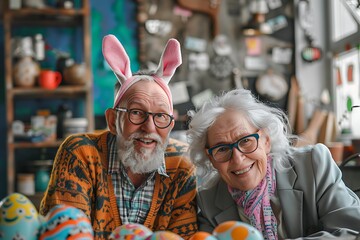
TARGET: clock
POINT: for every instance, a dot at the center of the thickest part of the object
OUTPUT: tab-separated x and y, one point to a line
221	66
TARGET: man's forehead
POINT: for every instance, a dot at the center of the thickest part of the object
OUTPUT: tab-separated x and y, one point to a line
145	87
146	92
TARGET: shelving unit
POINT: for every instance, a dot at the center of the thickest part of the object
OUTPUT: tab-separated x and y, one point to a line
45	17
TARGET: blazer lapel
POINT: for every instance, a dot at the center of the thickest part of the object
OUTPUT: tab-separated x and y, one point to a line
225	202
291	201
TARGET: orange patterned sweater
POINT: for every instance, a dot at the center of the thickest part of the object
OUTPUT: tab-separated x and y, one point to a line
80	178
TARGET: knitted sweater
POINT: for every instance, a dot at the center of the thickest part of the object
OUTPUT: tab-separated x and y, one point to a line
80	178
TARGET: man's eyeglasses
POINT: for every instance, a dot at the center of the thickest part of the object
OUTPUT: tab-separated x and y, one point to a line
223	152
138	116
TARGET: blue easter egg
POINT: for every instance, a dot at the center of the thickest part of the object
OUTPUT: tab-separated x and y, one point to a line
66	222
235	230
19	218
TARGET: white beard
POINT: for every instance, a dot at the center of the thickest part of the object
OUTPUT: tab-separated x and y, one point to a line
145	161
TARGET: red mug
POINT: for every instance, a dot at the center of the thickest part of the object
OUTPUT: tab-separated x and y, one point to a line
49	79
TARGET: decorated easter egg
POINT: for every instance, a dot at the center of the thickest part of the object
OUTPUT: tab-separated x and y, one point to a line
164	235
66	222
19	218
232	230
133	231
200	235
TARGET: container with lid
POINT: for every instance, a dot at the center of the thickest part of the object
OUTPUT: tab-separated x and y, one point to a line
26	183
75	125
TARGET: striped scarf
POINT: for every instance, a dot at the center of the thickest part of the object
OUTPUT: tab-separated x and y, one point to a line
256	204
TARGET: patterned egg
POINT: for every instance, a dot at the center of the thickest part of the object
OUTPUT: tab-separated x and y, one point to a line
200	235
66	222
164	235
19	218
231	230
133	231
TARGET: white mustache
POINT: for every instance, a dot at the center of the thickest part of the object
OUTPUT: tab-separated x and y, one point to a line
153	136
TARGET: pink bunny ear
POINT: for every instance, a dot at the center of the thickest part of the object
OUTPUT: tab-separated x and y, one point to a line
169	61
116	57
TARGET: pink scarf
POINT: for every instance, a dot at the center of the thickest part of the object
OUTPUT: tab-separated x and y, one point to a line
256	204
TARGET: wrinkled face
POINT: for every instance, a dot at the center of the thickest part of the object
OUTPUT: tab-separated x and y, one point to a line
149	97
242	171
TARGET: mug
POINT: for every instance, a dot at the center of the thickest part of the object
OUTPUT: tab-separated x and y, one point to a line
49	79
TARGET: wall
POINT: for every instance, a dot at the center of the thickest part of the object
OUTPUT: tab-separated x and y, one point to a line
118	18
313	77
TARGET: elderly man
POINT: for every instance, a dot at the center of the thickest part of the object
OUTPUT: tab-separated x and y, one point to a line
132	173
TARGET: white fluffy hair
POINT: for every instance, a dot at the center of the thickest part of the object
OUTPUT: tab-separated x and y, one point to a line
273	120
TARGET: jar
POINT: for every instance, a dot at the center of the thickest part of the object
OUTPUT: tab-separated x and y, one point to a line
25	183
41	169
75	125
42	178
76	74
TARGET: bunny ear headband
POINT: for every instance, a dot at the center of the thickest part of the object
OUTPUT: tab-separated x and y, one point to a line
119	62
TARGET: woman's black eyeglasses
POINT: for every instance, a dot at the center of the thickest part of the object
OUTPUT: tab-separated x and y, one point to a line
223	152
138	116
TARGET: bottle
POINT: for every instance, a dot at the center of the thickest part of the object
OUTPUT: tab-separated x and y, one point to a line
39	47
63	113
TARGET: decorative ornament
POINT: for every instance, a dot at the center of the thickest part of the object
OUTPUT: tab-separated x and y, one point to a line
310	53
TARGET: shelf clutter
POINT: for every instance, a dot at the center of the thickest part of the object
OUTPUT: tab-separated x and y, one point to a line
48	92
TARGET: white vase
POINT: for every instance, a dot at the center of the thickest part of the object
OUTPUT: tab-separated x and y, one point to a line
25	72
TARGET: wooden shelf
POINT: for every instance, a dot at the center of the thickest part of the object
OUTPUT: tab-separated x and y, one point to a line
14	19
45	144
44	12
39	92
48	16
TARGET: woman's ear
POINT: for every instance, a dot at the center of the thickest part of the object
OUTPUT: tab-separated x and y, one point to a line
110	115
267	144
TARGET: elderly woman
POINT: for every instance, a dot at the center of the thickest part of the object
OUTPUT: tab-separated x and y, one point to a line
244	147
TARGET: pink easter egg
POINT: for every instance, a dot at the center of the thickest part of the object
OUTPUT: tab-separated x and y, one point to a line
133	231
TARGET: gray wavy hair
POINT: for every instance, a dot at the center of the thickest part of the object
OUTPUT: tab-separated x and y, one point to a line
273	120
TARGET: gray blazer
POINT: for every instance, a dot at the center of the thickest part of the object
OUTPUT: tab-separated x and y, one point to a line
314	200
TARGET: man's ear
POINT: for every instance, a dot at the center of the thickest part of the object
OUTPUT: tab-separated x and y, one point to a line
172	124
110	115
